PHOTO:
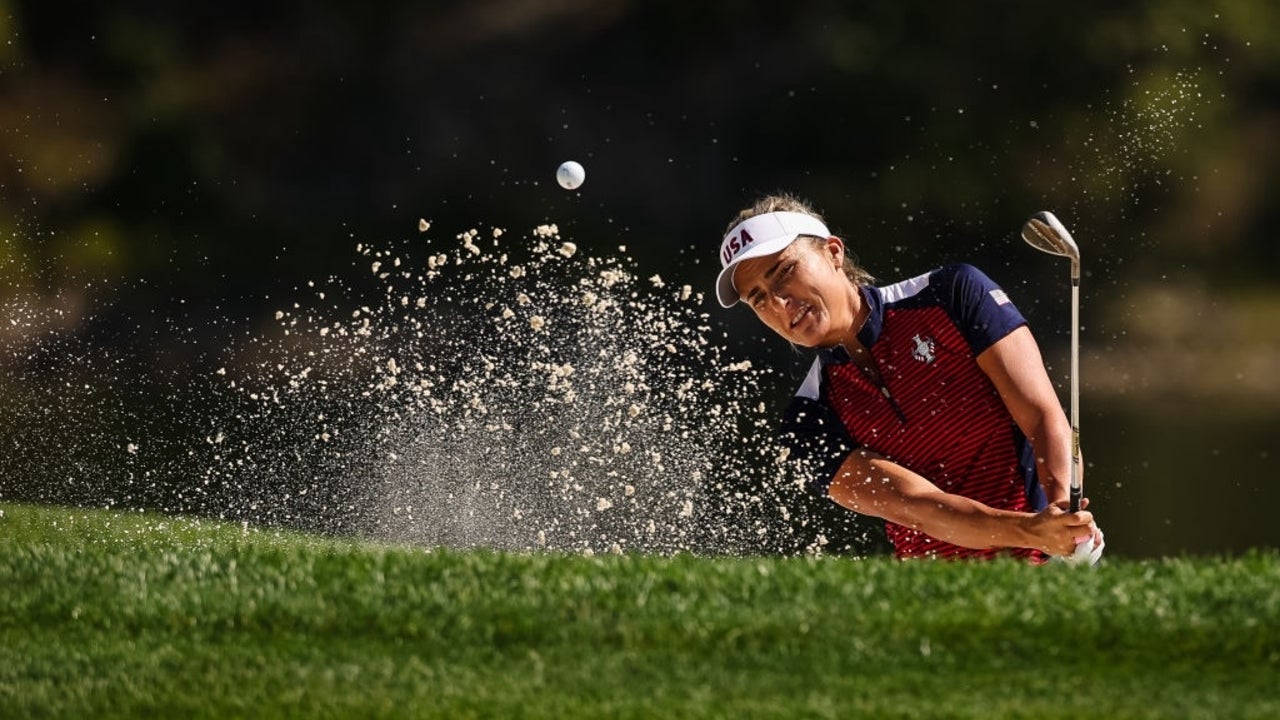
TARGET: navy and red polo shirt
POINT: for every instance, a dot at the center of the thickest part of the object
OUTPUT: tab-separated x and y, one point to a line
932	409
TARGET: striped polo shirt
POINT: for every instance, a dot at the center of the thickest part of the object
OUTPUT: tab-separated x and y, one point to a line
932	410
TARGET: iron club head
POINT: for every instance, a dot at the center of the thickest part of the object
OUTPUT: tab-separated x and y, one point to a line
1044	232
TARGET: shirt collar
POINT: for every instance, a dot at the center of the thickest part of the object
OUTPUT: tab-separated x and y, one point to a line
869	333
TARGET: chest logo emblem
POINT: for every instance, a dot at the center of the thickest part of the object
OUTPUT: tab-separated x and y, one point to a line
924	349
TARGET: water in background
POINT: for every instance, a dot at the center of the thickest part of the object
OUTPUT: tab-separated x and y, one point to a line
506	390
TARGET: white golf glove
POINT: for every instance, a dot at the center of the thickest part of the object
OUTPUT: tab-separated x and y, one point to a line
1087	552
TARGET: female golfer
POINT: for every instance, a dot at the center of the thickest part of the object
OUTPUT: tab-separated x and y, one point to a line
928	404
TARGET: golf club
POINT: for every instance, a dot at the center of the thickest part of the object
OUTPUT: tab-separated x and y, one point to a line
1044	232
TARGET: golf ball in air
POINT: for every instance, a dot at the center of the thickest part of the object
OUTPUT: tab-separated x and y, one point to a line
570	175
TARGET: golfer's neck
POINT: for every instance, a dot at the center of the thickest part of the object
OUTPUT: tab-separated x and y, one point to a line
858	312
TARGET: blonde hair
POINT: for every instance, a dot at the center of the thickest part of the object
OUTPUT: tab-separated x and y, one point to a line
786	202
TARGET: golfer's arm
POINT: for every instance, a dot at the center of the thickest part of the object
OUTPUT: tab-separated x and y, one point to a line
1015	367
868	483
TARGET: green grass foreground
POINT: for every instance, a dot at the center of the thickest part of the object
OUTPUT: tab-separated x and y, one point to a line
129	615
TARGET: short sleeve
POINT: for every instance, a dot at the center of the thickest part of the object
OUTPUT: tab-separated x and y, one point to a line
980	308
816	441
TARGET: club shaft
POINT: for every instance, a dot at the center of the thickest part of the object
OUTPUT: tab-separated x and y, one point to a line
1076	490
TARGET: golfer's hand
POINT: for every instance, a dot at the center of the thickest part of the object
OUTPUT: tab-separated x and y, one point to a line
1057	532
1089	550
1095	533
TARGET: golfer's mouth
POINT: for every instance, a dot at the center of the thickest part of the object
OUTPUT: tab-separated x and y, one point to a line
800	314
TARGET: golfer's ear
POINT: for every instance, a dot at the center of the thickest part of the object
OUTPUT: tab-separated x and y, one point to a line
835	248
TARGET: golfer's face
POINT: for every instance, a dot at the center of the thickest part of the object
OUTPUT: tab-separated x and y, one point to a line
801	293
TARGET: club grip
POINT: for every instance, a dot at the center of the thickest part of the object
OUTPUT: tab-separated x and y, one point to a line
1074	498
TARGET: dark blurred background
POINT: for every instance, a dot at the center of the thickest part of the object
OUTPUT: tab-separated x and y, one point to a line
188	162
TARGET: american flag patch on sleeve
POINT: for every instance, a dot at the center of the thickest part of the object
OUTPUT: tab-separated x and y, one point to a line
999	296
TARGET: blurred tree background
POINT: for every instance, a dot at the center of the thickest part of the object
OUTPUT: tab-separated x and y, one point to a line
188	162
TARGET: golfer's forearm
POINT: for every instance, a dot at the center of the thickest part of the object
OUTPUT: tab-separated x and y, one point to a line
950	518
1050	438
964	522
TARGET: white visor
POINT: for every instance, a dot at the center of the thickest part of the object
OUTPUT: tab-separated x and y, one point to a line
759	236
